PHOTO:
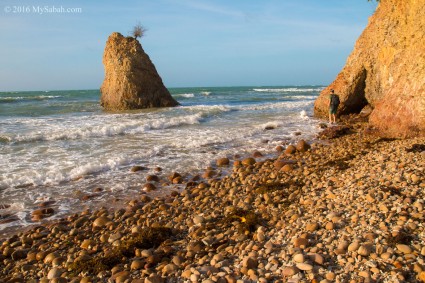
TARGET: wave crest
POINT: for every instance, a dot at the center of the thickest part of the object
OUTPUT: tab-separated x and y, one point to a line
289	89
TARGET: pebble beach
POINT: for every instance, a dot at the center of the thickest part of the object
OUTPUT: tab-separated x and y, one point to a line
345	208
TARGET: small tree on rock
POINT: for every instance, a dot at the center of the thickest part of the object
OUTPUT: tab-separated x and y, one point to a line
138	31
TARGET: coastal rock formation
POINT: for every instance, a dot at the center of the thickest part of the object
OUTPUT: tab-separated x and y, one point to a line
386	71
131	80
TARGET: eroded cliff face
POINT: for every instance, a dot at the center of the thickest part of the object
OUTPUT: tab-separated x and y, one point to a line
131	80
386	71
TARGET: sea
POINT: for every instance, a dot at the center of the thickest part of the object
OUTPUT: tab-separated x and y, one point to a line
62	148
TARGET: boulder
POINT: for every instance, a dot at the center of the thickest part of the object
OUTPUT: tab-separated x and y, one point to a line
131	80
223	161
386	71
148	187
291	149
137	168
303	146
248	161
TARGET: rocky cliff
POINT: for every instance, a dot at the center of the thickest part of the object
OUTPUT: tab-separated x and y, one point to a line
386	71
131	80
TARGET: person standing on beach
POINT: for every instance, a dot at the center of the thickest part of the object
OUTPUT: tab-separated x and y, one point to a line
333	106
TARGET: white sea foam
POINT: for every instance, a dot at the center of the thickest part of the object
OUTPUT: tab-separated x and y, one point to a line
289	105
67	153
289	89
17	205
12	98
302	97
83	128
206	93
186	95
303	115
271	125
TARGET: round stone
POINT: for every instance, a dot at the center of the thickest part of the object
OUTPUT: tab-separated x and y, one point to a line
301	243
299	258
290	149
137	264
311	227
198	219
248	161
223	161
404	248
54	273
290	271
353	246
101	221
363	251
304	266
250	262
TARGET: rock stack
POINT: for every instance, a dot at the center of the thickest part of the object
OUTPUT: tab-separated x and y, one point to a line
131	80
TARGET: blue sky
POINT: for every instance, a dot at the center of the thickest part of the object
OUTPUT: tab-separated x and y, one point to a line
191	42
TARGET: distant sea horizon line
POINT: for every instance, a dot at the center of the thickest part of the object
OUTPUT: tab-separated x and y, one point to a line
171	87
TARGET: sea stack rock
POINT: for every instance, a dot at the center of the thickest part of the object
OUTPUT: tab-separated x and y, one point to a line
386	71
131	80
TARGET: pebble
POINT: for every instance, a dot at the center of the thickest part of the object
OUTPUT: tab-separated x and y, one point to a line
363	250
316	258
250	262
54	273
101	221
291	149
311	227
169	268
137	264
353	246
404	248
290	271
329	219
223	161
304	266
301	242
198	219
154	278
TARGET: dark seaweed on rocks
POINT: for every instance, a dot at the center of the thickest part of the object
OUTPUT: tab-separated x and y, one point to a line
247	220
341	163
334	132
96	264
151	237
278	186
148	238
403	237
416	148
391	190
384	140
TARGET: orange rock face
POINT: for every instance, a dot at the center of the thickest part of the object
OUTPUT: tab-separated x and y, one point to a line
131	80
386	71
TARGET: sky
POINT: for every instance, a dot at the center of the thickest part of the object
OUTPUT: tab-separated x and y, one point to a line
59	44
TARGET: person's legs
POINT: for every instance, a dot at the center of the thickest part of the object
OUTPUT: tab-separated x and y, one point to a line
330	117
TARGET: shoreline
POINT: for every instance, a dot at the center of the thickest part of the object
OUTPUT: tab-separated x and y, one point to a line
80	152
351	210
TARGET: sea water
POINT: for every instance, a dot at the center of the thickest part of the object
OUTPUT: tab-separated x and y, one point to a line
60	145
